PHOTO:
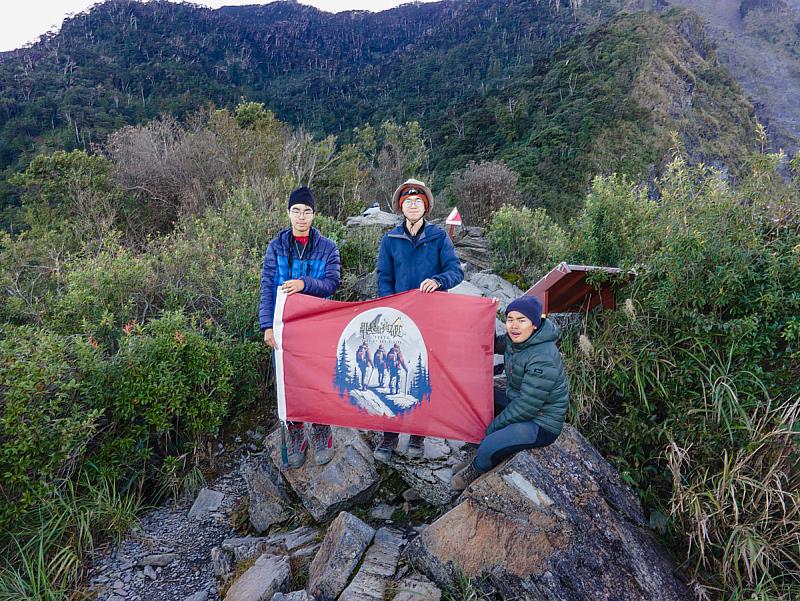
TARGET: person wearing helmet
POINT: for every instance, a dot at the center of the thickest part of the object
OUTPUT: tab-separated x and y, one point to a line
418	255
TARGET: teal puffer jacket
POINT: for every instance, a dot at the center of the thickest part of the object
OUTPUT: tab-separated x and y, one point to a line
537	387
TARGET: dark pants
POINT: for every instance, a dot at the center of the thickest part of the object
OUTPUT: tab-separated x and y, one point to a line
507	441
394	376
363	369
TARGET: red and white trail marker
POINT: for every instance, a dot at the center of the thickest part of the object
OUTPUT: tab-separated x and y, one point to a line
454	218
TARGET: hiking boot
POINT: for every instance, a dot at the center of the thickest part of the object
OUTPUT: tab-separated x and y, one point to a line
416	446
322	438
296	444
464	477
383	452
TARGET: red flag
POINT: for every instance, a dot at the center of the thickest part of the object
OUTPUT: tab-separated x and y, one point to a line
412	362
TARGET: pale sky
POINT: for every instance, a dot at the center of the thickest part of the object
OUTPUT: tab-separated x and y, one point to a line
23	21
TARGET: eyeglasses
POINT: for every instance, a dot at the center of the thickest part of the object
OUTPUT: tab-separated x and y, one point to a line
413	201
298	213
412	192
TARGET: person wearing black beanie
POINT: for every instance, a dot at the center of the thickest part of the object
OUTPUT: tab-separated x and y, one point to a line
530	412
299	260
301	196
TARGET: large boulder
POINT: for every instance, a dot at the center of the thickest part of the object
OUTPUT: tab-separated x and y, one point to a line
348	479
493	286
341	550
472	248
267	493
375	217
552	523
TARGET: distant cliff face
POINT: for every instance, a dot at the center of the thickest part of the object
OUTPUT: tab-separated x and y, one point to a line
759	41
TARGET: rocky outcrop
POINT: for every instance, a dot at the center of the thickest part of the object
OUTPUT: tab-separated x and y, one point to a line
344	544
493	286
348	480
552	523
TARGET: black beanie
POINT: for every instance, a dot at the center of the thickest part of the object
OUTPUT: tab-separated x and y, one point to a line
301	196
529	306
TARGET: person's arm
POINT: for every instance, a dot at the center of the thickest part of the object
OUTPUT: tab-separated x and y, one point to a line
328	284
540	377
385	268
267	305
452	274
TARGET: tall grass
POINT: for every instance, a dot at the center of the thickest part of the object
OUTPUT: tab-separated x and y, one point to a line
46	556
692	389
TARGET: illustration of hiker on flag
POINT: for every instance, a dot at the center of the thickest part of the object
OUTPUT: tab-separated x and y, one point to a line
406	385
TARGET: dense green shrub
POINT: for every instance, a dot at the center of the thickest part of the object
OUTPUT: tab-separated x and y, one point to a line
45	421
692	390
103	291
615	224
167	385
525	243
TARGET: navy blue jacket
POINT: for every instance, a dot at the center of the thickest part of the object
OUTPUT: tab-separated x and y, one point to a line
402	265
319	269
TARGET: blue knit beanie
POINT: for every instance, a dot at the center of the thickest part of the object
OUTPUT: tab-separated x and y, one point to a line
301	196
529	306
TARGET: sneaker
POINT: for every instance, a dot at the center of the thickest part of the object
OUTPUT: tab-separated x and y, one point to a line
296	444
416	446
383	452
322	437
464	477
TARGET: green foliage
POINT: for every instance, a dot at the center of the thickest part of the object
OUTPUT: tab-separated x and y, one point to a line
45	423
72	185
525	242
102	292
167	384
692	389
615	224
44	558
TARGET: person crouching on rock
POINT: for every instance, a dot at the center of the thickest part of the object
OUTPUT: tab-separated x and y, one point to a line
530	412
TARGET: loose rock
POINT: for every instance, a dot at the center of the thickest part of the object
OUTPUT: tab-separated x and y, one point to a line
268	575
379	565
207	501
340	552
268	496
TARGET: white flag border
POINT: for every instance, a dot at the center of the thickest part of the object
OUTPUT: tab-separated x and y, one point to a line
277	332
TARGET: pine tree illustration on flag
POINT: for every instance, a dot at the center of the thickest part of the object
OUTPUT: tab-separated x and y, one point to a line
341	380
421	384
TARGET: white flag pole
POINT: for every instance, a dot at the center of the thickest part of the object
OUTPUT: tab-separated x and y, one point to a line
277	332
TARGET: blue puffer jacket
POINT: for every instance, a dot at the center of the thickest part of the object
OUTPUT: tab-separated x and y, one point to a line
319	269
402	265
